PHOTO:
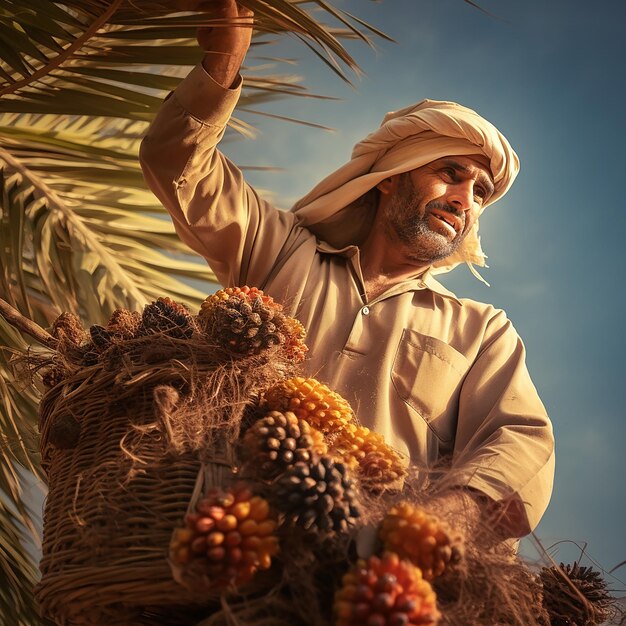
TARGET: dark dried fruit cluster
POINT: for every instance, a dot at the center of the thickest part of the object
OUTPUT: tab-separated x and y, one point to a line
277	441
245	321
318	496
574	595
168	317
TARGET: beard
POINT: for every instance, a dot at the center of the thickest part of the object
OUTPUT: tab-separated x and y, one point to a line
406	221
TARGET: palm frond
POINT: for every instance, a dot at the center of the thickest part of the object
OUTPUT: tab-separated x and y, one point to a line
18	443
89	249
18	572
85	57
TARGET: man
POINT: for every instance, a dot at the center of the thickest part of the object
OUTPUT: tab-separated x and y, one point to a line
439	377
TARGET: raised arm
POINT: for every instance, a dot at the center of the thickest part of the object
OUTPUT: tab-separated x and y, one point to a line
225	47
213	209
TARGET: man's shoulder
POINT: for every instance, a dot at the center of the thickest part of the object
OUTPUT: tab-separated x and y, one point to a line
474	316
468	305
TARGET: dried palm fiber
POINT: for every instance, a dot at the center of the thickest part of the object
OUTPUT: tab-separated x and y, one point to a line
574	595
490	585
157	416
273	609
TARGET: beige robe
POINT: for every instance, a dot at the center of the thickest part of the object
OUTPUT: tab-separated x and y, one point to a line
438	376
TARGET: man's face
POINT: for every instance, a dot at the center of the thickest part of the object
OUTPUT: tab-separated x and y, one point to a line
430	210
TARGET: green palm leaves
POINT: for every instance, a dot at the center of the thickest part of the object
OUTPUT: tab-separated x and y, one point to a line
79	82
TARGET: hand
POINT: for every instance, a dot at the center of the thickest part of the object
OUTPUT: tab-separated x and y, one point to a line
226	45
462	509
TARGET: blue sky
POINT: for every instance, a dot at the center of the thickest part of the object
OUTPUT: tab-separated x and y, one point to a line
550	75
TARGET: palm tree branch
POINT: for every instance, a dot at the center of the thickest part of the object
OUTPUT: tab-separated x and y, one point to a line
55	203
67	52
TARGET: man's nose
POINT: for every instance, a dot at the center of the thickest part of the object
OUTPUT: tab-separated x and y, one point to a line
461	195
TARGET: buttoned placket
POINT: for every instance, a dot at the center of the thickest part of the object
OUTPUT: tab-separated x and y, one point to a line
364	317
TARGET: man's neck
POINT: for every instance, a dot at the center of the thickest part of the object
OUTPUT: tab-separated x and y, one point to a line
384	264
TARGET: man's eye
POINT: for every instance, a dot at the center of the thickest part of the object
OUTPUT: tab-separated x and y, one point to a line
449	172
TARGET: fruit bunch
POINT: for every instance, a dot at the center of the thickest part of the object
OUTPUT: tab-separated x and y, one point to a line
68	327
53	375
245	321
101	339
420	538
385	592
318	496
168	317
379	466
310	401
230	536
575	595
277	441
124	324
295	333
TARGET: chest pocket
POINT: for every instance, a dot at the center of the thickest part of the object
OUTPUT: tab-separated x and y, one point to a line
427	375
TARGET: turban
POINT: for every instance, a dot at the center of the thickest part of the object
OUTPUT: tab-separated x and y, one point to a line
407	139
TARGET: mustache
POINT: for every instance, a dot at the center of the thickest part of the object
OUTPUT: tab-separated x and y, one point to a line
444	206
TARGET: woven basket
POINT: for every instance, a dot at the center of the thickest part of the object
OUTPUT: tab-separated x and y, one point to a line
119	488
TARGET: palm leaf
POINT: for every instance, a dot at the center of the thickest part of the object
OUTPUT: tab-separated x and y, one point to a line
17	448
82	256
66	71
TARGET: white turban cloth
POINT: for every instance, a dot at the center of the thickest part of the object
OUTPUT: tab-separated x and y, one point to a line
407	139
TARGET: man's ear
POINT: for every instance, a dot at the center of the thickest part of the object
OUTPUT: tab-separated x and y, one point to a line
387	185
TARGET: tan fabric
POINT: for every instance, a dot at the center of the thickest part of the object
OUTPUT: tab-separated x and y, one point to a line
434	374
407	139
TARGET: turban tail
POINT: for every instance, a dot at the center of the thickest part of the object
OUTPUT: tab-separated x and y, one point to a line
407	139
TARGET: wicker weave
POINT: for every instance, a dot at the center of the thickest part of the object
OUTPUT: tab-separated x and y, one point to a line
116	496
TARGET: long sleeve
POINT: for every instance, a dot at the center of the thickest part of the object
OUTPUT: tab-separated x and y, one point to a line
215	212
504	445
